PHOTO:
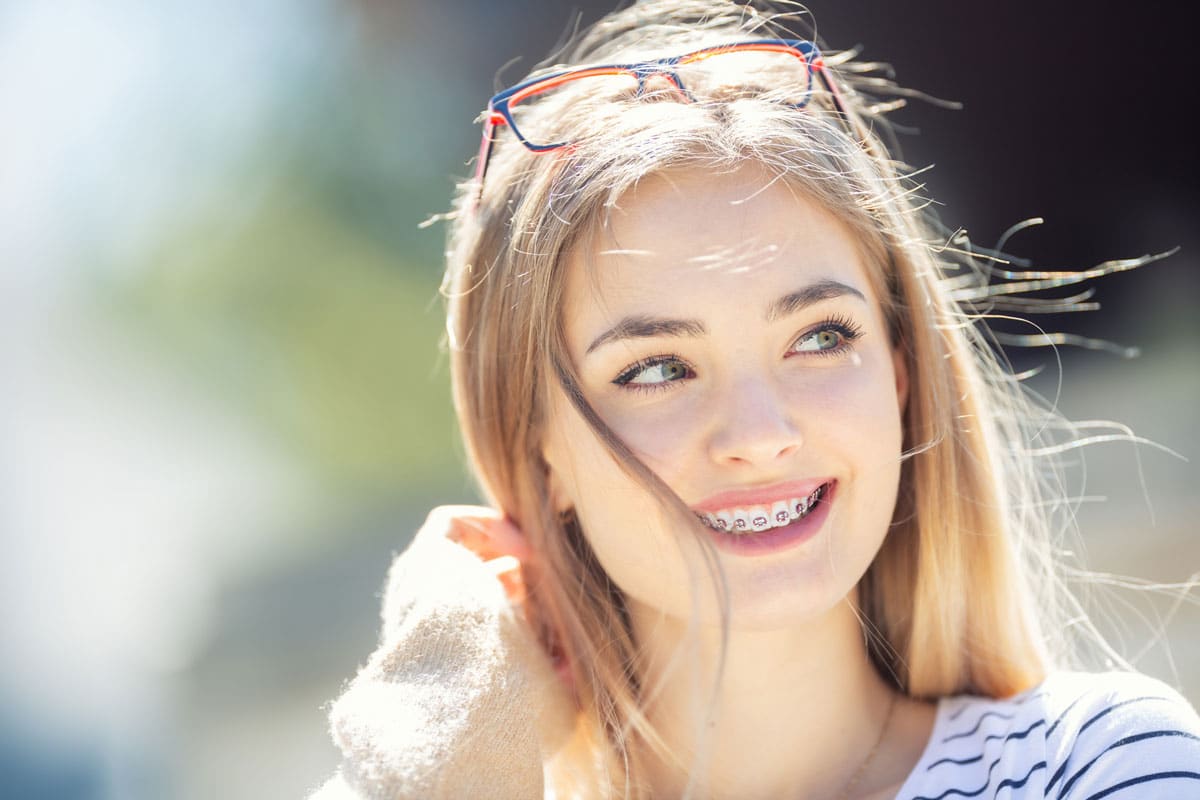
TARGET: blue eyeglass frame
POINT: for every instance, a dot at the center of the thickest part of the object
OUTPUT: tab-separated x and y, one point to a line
498	111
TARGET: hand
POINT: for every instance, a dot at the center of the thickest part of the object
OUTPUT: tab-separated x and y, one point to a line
505	551
489	535
459	699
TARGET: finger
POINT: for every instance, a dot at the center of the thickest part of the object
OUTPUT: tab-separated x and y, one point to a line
488	545
442	520
507	570
490	537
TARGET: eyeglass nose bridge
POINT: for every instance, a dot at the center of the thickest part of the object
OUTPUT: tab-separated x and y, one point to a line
645	71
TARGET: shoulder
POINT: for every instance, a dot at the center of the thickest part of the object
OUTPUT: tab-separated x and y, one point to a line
1075	735
1120	734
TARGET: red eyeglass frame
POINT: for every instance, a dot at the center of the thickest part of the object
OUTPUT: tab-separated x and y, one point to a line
499	112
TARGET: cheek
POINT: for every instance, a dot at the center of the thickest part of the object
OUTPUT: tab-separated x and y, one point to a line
852	424
663	436
865	427
855	403
621	520
607	500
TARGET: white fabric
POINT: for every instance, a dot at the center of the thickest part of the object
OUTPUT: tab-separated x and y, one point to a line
1076	736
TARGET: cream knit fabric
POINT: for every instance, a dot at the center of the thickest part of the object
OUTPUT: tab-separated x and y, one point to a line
458	701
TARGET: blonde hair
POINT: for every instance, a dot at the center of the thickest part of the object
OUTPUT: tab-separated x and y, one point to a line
960	595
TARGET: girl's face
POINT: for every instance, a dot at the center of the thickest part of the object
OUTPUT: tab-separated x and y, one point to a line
729	335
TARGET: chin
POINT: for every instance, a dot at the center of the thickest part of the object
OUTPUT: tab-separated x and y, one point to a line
767	606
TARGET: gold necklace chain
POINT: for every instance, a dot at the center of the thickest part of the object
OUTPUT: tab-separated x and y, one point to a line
867	761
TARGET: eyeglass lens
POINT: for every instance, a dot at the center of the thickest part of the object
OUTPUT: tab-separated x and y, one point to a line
784	77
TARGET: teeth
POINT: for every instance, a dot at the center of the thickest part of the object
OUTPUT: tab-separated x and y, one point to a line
761	518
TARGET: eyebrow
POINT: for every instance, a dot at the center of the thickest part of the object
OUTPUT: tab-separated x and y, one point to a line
645	327
815	293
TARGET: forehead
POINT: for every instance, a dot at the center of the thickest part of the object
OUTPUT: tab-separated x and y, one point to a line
686	234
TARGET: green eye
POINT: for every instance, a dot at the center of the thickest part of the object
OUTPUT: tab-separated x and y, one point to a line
653	372
831	337
818	341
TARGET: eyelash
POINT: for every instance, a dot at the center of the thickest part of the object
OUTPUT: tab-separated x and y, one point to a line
842	325
625	379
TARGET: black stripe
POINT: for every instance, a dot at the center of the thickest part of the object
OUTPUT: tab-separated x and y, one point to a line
1112	708
1007	739
1063	715
981	789
1017	735
959	761
1062	768
1015	784
1058	773
978	722
1157	776
1019	700
1120	743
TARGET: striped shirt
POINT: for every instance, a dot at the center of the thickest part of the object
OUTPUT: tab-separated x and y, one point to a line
1076	736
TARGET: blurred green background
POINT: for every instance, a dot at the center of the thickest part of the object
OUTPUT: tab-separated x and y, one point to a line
225	405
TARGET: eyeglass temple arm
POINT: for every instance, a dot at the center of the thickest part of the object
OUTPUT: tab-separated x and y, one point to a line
494	119
839	101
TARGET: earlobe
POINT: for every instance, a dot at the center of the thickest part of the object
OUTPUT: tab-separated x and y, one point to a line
559	500
900	368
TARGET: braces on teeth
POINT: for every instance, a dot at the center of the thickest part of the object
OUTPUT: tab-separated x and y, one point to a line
761	518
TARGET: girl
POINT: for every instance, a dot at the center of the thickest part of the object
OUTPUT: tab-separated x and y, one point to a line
764	519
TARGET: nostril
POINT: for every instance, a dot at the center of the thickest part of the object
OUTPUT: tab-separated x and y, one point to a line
746	450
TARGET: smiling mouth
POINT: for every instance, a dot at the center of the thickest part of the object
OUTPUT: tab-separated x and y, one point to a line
758	518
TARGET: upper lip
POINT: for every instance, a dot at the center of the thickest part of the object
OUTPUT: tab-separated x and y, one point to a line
759	496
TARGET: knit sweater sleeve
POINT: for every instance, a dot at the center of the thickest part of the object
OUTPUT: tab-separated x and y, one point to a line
457	701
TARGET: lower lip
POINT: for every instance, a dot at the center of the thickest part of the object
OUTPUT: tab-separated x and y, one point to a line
774	540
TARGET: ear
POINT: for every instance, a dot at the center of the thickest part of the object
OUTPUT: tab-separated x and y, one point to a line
554	453
900	369
559	499
562	504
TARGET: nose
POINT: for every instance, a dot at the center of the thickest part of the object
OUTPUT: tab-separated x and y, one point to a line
755	425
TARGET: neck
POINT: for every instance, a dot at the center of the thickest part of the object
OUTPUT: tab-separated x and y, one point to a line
786	706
